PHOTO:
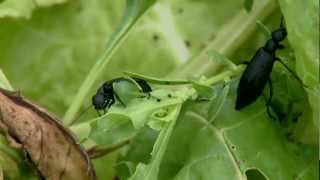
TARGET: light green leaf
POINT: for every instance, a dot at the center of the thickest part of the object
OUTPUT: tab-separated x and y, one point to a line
216	56
303	35
4	83
127	90
217	104
142	110
151	170
111	129
24	8
156	80
122	123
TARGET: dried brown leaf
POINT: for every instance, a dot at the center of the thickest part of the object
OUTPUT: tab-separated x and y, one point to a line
51	147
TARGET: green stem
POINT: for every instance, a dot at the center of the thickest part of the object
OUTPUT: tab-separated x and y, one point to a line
225	75
228	40
99	151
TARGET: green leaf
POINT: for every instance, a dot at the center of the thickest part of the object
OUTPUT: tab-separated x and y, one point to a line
248	5
111	129
156	80
142	110
231	147
264	29
135	8
24	8
127	90
306	47
217	104
151	170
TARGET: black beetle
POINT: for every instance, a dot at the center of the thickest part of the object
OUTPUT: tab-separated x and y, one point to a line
258	71
106	96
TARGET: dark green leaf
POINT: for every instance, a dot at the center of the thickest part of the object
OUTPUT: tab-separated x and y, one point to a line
248	5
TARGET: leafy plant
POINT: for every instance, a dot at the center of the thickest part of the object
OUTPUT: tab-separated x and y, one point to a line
186	50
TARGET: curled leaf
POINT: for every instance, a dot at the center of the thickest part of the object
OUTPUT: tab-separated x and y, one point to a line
51	146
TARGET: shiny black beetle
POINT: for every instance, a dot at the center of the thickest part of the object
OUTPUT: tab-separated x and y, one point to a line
106	96
258	71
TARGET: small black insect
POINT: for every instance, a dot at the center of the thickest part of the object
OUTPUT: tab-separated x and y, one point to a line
106	96
144	85
258	71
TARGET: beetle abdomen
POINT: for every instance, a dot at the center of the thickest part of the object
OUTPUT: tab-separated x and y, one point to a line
254	78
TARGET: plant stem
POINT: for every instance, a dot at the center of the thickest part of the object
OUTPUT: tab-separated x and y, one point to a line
228	40
99	151
225	75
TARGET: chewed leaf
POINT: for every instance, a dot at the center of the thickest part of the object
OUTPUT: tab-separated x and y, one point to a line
140	110
151	170
161	117
231	145
50	146
154	80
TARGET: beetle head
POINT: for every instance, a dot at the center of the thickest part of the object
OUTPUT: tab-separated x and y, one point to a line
98	101
279	35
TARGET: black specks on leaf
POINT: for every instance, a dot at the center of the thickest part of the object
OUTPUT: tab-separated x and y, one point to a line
180	10
155	37
187	43
79	8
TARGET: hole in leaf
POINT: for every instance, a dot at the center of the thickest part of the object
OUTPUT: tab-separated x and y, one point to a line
255	174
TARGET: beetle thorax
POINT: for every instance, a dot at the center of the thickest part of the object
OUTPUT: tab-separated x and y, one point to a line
271	46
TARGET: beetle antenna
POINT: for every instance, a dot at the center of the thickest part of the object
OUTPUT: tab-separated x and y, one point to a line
282	22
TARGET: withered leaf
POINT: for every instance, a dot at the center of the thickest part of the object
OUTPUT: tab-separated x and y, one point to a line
50	145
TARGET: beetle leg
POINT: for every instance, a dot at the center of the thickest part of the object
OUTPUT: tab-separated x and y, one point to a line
99	112
118	98
281	46
148	95
245	62
269	101
111	101
292	72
